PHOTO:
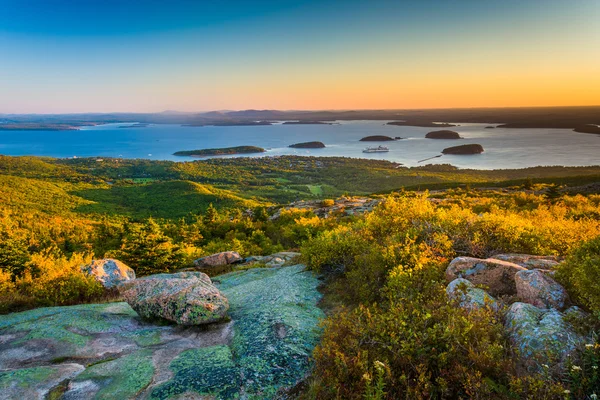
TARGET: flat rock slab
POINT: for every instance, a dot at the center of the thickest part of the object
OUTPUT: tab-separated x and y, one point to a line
105	351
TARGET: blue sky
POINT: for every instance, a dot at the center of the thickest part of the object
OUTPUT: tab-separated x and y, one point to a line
61	56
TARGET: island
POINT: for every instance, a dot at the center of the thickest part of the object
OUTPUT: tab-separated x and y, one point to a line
464	149
137	125
307	123
231	123
34	126
490	127
587	129
377	138
443	135
308	145
423	124
220	152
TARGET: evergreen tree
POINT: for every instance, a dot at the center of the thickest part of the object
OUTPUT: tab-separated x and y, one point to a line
553	193
147	250
14	256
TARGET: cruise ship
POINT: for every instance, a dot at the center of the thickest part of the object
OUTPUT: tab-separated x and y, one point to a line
378	149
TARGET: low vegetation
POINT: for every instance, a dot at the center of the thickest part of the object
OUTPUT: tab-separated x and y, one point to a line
391	332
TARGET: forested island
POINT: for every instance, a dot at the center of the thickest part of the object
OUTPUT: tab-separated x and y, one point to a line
308	145
464	149
377	138
221	151
443	134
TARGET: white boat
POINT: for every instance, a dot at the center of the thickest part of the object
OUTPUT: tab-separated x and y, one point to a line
378	149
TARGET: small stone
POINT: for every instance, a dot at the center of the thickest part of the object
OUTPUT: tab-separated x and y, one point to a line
469	296
539	289
218	260
109	272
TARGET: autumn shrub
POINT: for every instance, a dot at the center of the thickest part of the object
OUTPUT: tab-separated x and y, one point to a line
580	273
399	336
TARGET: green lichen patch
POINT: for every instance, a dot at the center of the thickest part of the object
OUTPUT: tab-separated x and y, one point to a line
276	318
122	378
208	371
24	378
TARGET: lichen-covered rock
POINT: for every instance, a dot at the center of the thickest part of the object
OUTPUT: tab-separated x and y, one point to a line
109	272
536	288
469	296
540	336
37	382
529	261
497	275
264	350
275	262
218	260
186	298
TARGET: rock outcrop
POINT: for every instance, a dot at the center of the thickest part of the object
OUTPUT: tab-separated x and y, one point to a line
346	205
529	261
537	288
538	330
443	134
109	272
469	296
540	336
186	298
218	260
106	351
497	275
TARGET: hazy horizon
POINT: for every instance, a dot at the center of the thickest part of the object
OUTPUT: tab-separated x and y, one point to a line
119	56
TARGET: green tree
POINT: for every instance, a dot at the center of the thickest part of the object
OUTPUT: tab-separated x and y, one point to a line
148	250
14	256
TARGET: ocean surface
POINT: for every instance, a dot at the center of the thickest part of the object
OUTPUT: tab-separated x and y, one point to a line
504	148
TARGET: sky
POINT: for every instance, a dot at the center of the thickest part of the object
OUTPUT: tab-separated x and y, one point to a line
60	56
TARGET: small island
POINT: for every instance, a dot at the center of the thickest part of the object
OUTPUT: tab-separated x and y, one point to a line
377	138
137	125
490	127
308	145
230	123
423	124
443	135
221	152
587	129
307	123
464	149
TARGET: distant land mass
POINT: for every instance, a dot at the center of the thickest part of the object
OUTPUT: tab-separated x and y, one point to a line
138	125
35	126
233	123
307	123
221	152
581	118
376	138
424	124
308	145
